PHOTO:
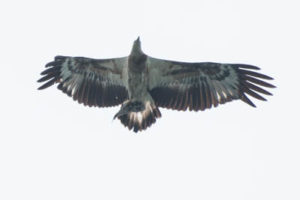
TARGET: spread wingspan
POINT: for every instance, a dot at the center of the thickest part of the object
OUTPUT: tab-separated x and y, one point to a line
142	84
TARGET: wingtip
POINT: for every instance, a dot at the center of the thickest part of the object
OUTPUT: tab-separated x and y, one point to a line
245	99
272	86
58	57
245	66
40	88
40	80
252	104
50	64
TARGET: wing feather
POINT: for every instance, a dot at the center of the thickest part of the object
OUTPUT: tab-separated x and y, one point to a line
93	82
198	86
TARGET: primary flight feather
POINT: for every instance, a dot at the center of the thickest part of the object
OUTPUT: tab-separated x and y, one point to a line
142	84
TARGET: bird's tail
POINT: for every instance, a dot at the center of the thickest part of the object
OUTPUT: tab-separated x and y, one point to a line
138	115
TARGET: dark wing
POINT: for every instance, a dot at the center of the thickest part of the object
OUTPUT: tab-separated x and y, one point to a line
93	82
197	86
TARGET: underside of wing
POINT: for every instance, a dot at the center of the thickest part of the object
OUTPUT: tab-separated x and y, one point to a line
198	86
92	82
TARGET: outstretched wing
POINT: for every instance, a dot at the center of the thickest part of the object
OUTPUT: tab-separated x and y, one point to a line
93	82
197	86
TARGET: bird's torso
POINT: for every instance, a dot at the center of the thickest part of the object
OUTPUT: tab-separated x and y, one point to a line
137	77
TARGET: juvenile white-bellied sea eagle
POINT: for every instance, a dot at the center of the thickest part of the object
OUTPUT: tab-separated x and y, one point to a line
142	84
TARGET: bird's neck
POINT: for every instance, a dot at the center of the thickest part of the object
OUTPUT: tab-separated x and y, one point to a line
137	58
136	50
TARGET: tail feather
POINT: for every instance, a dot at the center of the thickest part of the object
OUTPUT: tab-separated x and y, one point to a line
140	120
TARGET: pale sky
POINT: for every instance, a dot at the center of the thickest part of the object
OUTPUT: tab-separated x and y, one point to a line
54	148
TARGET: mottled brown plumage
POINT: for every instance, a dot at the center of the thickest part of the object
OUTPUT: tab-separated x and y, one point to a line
142	84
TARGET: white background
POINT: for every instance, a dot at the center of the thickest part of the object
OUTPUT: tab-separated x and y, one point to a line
53	148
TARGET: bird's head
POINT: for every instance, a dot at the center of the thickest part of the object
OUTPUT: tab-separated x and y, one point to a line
130	106
136	48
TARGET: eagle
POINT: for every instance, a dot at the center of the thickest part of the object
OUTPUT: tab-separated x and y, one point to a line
142	84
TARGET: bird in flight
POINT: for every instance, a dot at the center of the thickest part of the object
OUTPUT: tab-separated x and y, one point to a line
142	84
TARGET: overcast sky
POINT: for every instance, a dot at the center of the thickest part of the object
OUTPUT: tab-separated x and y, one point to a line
54	148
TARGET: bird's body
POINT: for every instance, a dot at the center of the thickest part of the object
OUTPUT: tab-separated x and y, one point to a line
142	84
137	75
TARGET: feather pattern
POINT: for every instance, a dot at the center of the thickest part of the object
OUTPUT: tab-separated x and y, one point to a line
203	85
93	82
143	84
141	120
